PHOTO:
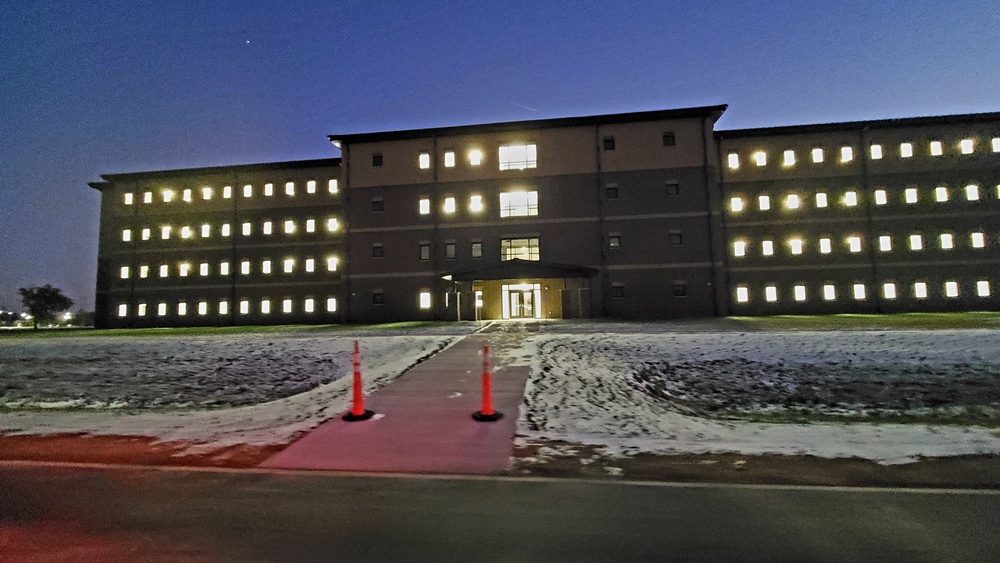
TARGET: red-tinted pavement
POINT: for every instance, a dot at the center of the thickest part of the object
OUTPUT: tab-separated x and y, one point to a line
423	422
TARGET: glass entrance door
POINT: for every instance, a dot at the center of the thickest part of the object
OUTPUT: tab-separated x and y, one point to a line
521	305
522	301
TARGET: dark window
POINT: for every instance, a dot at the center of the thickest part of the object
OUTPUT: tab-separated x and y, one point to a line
673	189
609	143
378	204
611	192
378	298
618	292
668	139
680	289
614	241
378	251
377	159
676	239
425	251
449	250
477	250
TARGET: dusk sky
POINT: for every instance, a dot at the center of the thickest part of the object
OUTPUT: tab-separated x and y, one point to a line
91	88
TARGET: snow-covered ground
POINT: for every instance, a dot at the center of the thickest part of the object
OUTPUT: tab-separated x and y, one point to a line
651	392
172	387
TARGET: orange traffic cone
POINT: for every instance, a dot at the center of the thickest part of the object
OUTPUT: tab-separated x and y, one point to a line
357	411
487	414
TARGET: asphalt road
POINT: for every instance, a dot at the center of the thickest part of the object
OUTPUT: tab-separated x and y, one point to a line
76	514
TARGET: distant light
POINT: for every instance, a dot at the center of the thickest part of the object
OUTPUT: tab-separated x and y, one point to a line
966	146
475	157
817	155
821	201
936	149
789	158
881	198
733	161
736	204
760	158
476	203
846	154
449	159
876	152
906	150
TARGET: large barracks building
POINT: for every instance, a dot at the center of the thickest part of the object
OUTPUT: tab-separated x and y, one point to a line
645	215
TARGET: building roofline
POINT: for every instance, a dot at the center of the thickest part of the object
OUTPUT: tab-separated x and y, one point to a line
153	174
859	125
701	111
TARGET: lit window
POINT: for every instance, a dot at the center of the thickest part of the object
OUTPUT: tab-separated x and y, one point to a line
168	196
821	200
966	146
739	248
332	186
247	190
846	154
876	152
475	157
995	143
331	304
736	204
800	293
859	291
286	306
310	265
289	227
449	159
244	307
425	300
332	224
226	230
936	149
906	150
825	247
850	198
881	198
734	161
941	194
267	229
246	229
972	192
916	242
978	240
518	204
268	189
187	195
817	155
223	307
288	266
789	158
310	186
227	192
203	269
289	188
206	193
760	158
224	268
829	292
449	205
951	289
141	310
425	161
476	203
265	267
854	243
910	195
947	241
165	232
161	309
185	232
425	206
309	305
265	306
331	263
796	245
184	269
518	157
920	290
126	235
147	197
310	225
143	271
477	249
203	308
983	288
519	249
764	202
146	233
889	290
127	198
123	273
742	294
206	230
792	201
245	267
771	294
767	248
885	243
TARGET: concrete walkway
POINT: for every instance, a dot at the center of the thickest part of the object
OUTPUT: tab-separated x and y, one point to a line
423	422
